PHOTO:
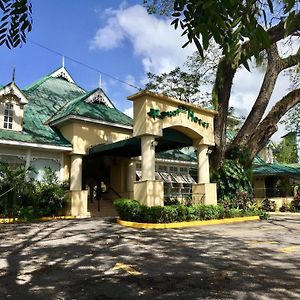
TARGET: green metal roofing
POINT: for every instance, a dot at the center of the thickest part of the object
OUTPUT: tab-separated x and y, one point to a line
176	154
98	111
45	97
171	139
275	169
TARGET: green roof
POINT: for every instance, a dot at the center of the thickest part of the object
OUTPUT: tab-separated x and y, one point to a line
177	154
45	97
275	169
95	110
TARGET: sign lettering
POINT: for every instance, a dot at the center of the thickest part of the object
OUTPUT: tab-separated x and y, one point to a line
156	113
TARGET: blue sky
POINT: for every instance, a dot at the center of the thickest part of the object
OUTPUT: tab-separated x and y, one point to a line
111	36
115	37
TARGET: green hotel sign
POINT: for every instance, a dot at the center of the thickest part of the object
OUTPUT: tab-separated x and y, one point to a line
181	109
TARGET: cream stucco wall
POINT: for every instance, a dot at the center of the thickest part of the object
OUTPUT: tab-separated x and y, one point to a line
152	114
259	187
83	135
184	121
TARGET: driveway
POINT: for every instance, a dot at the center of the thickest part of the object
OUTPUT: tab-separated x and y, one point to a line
98	259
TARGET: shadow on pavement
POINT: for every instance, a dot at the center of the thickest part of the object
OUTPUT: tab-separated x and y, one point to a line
76	259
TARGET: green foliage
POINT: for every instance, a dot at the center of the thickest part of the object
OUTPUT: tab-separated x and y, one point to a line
295	204
284	207
50	194
233	185
16	22
29	199
190	85
131	210
286	150
228	23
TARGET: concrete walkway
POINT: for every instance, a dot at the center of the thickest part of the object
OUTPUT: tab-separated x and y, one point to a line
98	259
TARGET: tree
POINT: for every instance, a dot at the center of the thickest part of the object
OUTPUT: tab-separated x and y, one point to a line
15	23
286	150
243	30
190	85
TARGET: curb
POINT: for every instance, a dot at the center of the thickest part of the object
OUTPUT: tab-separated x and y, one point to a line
42	219
284	213
185	224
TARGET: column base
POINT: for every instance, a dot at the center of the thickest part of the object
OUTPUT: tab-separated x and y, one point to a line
149	192
79	201
205	193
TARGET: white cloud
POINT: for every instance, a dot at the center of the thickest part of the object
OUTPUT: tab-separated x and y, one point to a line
130	79
129	112
108	37
246	88
153	39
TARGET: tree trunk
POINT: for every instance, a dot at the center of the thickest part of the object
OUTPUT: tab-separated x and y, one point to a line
222	88
262	100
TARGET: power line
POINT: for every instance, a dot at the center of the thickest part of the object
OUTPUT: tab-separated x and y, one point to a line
83	64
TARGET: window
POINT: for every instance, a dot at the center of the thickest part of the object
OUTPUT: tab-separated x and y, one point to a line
8	115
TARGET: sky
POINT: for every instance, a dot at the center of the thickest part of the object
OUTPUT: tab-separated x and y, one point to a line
114	37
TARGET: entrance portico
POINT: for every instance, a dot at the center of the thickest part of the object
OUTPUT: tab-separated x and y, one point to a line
153	113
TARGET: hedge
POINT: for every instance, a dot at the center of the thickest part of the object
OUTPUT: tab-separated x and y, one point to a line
132	210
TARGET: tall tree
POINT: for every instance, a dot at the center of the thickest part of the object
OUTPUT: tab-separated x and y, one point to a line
243	30
286	150
15	23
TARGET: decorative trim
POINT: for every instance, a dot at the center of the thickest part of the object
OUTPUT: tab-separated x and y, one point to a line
100	97
62	72
35	145
12	89
180	162
86	119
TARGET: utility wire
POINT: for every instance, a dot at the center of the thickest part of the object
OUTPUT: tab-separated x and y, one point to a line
83	64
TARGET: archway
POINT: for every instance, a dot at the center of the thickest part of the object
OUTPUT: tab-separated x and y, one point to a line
157	115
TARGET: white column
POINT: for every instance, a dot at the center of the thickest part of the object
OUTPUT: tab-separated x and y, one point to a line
203	164
148	157
27	162
62	168
76	172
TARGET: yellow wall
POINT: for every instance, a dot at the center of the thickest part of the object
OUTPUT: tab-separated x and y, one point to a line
259	187
83	135
144	124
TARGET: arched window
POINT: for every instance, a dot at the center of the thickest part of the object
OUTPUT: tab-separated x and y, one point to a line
8	115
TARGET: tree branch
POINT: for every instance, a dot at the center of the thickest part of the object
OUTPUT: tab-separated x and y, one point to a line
262	100
269	125
290	61
276	33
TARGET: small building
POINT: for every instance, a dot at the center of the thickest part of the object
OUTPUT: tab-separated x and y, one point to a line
92	145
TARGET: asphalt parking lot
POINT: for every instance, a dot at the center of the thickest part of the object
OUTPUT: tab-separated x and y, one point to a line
98	259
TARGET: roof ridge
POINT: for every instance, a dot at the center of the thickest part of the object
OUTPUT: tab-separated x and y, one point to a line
40	81
36	84
73	101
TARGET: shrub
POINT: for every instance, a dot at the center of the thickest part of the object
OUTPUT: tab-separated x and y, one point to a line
285	207
233	185
295	204
131	210
30	199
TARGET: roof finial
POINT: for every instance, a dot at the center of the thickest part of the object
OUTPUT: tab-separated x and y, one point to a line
63	61
100	82
13	74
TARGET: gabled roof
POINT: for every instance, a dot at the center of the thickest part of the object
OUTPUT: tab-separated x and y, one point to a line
45	96
98	112
12	89
62	73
